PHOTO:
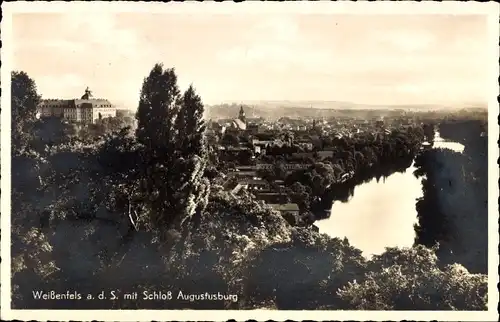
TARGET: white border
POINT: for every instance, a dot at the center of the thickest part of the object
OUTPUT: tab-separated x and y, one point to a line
490	9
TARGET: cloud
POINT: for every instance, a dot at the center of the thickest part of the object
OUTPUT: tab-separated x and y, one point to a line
92	46
101	31
86	35
277	44
281	29
267	52
264	56
407	41
54	84
408	88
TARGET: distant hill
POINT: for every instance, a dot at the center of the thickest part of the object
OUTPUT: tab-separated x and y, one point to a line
333	105
305	109
310	109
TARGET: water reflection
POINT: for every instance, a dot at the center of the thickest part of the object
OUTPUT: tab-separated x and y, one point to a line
380	214
440	143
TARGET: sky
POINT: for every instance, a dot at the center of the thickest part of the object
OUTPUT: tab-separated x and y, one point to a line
365	59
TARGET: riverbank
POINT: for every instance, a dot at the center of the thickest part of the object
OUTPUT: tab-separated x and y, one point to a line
441	198
454	208
368	219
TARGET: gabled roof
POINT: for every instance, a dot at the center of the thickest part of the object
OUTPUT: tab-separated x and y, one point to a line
285	207
64	102
256	182
54	102
325	153
239	124
93	101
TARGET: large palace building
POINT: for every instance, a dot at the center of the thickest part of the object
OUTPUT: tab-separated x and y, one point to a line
84	110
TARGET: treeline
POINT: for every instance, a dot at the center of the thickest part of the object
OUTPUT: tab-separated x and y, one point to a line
119	185
354	160
454	208
135	212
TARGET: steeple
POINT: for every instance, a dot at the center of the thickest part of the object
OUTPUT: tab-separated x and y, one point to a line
88	94
242	114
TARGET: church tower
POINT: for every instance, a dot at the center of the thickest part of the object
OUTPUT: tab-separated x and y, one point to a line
87	95
242	116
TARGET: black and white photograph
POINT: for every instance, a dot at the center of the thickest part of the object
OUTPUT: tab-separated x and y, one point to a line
304	160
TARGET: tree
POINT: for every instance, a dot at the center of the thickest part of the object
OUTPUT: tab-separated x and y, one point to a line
158	108
31	251
280	171
114	124
304	272
52	132
411	279
171	130
245	157
190	125
230	139
191	140
24	104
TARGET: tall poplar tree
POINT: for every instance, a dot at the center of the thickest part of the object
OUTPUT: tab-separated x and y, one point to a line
192	145
190	125
24	104
156	114
171	131
158	108
30	248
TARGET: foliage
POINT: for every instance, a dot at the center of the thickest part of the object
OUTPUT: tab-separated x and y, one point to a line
171	130
303	273
409	279
110	210
230	139
28	268
24	105
190	125
455	198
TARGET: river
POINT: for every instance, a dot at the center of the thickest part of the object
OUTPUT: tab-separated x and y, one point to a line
380	214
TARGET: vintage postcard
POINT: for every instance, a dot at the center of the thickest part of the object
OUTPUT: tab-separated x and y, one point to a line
215	161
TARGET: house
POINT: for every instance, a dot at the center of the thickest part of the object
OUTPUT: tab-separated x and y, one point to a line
239	188
325	154
288	166
262	144
235	149
271	197
296	166
239	125
86	110
259	184
306	145
288	208
316	141
245	168
264	166
302	155
253	128
278	142
243	174
279	183
216	128
346	176
268	143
